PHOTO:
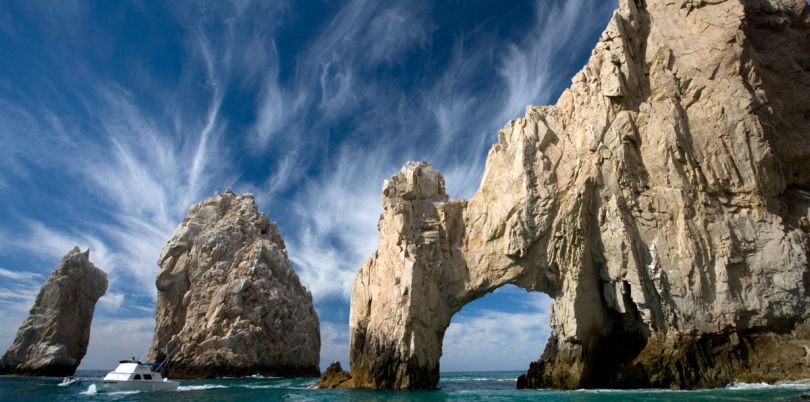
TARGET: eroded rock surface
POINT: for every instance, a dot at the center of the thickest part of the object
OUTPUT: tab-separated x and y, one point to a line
335	377
53	339
229	303
663	203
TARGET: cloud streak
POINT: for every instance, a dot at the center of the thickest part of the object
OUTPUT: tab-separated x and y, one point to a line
312	118
450	123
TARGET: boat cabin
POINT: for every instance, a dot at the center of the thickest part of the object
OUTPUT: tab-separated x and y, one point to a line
128	370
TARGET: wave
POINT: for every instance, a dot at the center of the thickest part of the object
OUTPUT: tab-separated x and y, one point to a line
269	386
200	387
91	390
280	385
463	379
800	384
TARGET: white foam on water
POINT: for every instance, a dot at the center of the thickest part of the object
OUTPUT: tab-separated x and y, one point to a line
260	386
91	390
199	387
281	384
133	392
801	384
463	379
257	375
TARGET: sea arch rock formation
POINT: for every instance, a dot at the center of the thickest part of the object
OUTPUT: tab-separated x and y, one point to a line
663	202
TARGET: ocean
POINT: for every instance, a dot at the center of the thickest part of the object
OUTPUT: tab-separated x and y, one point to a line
471	386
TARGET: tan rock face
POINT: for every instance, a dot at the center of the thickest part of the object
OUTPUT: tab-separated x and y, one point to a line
663	203
334	377
229	303
53	339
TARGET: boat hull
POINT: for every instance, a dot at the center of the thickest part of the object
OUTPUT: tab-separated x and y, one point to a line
143	386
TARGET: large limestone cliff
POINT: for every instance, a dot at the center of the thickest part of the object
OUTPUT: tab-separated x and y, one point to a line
229	303
53	339
663	203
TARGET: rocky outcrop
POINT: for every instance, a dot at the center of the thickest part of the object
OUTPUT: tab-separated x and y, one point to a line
335	377
229	303
53	339
663	203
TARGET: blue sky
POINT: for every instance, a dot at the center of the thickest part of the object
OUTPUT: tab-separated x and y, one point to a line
116	117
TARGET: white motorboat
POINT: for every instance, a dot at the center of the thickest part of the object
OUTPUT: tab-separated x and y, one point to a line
131	375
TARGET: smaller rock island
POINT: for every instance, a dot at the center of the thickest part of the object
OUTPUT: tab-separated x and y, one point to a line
229	303
53	339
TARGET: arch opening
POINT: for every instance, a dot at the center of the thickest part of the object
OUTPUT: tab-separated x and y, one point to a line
502	331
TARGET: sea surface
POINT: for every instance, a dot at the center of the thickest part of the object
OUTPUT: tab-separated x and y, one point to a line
471	386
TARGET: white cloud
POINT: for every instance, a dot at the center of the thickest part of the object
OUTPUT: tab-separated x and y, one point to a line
17	296
330	72
114	339
153	151
497	340
337	216
334	344
19	275
275	109
10	320
112	301
51	245
534	69
337	211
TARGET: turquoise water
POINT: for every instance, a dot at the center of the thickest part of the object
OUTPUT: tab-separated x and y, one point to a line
474	386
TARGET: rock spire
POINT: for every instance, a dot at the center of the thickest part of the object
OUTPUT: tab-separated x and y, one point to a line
53	339
229	303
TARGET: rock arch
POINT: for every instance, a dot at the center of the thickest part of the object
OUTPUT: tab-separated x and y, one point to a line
432	261
663	203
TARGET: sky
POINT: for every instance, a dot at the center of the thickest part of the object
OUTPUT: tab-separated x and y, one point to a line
116	117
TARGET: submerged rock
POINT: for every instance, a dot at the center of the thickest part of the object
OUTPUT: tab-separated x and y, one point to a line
229	303
53	339
663	203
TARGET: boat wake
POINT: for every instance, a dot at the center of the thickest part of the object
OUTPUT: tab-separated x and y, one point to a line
199	387
91	390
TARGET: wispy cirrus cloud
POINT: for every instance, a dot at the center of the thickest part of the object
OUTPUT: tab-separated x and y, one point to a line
134	167
538	67
312	118
17	295
451	121
19	275
120	160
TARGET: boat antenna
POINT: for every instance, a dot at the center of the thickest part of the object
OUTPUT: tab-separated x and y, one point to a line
168	356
